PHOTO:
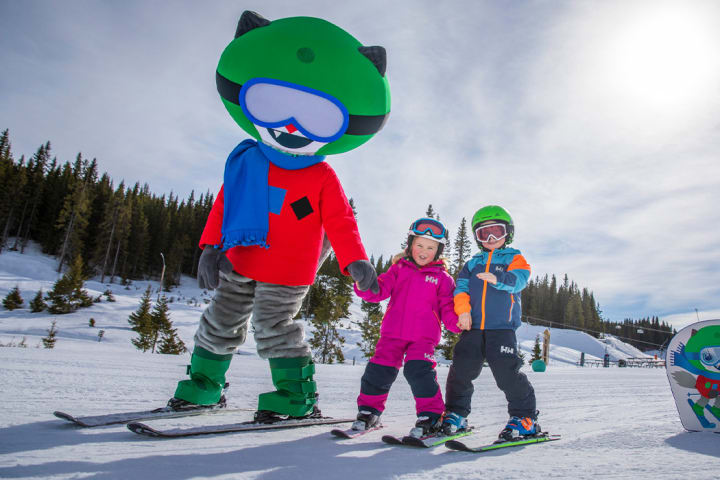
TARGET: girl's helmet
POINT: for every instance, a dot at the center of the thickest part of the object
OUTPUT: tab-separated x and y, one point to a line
497	214
429	228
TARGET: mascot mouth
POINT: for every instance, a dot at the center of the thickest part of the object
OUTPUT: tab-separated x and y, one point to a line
288	140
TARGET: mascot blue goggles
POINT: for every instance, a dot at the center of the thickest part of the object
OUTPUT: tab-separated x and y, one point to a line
709	356
275	104
428	226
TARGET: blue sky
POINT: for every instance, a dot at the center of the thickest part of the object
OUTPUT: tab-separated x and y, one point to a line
596	124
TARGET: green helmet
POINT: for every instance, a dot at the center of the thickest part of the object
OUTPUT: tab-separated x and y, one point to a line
496	213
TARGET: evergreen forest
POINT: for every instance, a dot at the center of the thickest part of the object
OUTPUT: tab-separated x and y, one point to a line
122	232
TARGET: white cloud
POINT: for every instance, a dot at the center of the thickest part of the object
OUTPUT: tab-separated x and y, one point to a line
534	107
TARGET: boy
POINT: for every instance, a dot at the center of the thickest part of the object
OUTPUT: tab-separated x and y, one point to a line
487	302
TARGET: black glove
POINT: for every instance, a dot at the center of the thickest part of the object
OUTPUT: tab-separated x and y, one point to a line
212	262
364	275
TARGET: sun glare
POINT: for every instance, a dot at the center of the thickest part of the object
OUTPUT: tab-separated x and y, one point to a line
664	58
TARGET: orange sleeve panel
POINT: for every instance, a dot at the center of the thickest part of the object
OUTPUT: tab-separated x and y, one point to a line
462	303
518	263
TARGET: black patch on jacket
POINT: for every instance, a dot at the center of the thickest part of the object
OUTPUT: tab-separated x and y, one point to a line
302	208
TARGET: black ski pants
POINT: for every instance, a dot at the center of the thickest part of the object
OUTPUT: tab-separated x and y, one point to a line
499	348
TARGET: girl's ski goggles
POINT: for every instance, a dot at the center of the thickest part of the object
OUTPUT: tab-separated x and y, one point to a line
274	103
490	232
428	226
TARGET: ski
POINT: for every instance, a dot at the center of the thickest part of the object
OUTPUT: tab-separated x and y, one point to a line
142	429
126	417
544	437
350	433
424	442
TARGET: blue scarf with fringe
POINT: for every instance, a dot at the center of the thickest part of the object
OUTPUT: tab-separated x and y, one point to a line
246	218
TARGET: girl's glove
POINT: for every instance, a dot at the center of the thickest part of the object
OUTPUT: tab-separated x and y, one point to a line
364	275
212	262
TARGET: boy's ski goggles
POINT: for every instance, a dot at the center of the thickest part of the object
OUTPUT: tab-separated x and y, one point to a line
428	226
490	232
274	103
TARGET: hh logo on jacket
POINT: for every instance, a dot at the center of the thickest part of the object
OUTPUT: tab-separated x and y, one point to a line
431	279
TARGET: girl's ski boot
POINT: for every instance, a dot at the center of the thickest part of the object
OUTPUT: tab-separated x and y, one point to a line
426	425
365	420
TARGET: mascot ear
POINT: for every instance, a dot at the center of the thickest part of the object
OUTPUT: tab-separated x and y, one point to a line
377	56
250	21
693	332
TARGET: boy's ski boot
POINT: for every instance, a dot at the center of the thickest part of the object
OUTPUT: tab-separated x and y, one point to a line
365	420
518	428
427	424
453	423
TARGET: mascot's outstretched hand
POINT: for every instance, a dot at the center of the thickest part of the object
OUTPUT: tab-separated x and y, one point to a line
364	275
212	262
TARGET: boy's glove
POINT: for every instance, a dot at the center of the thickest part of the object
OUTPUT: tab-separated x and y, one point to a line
212	262
364	275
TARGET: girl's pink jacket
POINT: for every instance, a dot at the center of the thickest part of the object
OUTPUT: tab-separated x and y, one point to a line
421	298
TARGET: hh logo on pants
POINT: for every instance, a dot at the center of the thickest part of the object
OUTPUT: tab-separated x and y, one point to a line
504	349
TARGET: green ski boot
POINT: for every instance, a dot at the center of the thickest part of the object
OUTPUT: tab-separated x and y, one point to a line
206	384
296	391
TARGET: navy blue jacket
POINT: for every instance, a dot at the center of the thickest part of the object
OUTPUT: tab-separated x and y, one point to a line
493	307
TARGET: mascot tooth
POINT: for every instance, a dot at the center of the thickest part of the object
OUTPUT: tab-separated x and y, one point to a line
302	88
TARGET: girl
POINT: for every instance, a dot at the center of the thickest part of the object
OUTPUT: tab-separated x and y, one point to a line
421	296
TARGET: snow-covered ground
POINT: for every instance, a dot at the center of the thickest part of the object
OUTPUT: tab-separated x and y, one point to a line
615	423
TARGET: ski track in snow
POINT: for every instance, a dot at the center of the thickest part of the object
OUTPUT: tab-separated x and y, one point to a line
615	423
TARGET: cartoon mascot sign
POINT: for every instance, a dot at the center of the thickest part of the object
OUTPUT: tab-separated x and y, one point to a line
693	368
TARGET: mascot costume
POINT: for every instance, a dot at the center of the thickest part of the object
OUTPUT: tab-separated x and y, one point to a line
303	88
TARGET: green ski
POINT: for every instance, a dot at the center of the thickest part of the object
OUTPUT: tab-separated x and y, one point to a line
456	445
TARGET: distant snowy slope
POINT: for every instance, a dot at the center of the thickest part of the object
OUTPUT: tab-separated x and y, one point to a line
33	270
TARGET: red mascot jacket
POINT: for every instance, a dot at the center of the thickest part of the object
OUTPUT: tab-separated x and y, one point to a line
303	204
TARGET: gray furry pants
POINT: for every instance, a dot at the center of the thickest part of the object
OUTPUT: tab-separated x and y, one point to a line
224	323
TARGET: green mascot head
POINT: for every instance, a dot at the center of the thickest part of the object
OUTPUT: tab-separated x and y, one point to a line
703	348
303	85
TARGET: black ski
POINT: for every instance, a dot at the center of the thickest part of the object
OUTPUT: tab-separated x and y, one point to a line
350	433
424	442
143	429
544	437
126	417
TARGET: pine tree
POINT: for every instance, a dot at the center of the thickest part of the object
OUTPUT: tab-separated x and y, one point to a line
370	327
171	343
430	212
461	249
160	320
74	217
13	299
446	346
49	341
141	322
38	303
334	294
537	350
68	294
